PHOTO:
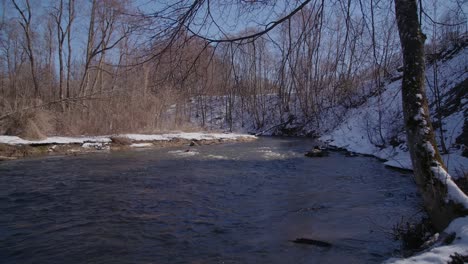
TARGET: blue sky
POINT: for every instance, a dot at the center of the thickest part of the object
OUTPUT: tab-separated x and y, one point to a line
230	19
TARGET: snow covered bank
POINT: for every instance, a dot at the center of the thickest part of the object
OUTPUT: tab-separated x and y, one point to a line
188	136
455	163
12	147
397	157
13	140
441	252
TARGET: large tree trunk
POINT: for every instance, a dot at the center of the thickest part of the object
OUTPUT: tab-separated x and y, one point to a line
444	201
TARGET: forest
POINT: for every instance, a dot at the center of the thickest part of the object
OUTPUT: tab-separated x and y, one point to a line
110	67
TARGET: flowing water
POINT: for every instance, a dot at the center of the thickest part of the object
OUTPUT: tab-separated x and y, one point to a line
230	203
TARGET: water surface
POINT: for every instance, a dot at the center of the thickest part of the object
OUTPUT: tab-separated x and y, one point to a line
231	203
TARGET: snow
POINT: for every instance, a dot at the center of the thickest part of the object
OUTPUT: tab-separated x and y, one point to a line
14	140
92	145
420	116
429	148
441	253
453	125
141	145
140	137
455	163
401	161
453	192
397	157
188	136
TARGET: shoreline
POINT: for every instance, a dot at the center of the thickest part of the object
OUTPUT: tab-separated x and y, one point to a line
397	157
13	148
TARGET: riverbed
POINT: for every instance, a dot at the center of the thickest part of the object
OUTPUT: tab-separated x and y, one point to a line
229	203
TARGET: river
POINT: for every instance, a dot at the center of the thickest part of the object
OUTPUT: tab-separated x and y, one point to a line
230	203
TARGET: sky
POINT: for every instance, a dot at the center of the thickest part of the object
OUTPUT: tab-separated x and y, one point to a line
226	18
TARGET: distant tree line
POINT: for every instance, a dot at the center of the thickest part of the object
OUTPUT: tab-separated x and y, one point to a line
112	66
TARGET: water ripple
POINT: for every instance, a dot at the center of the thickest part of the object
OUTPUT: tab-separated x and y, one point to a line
234	203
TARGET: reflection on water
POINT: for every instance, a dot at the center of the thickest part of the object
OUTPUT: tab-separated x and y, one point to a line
233	203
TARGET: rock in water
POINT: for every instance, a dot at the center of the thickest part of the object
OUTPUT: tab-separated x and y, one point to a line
314	242
351	154
193	143
316	153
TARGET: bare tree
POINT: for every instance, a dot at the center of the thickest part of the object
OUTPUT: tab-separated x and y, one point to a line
101	38
25	22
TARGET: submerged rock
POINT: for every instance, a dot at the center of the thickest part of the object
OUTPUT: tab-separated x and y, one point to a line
351	154
194	143
314	242
317	152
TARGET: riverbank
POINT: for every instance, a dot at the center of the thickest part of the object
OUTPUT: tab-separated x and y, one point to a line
13	147
395	157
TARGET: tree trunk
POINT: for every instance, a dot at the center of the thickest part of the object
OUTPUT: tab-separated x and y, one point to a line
89	50
443	200
60	40
71	16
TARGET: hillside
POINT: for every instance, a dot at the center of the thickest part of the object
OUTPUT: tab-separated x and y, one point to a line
360	132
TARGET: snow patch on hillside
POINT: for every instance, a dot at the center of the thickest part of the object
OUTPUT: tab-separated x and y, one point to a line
376	125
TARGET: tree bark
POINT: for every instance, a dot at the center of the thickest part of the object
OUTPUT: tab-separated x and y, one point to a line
442	198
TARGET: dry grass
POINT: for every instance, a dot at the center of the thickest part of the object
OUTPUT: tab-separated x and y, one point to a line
32	125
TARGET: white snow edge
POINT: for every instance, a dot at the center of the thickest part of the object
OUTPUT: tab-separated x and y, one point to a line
14	140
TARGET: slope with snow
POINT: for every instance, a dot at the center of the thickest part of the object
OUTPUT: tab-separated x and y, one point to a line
357	133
